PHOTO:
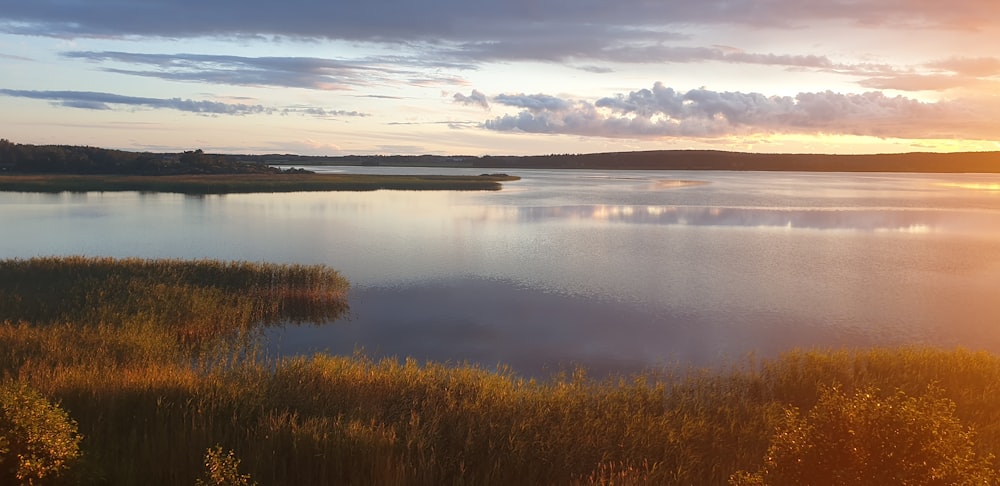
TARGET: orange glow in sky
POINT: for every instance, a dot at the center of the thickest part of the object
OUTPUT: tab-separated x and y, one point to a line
484	77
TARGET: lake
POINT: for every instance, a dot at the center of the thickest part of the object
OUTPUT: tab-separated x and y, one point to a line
617	271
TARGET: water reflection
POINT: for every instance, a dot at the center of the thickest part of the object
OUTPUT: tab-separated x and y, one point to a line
537	332
975	186
613	270
494	322
860	219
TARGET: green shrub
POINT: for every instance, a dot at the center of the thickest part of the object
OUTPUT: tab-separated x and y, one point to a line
38	440
867	439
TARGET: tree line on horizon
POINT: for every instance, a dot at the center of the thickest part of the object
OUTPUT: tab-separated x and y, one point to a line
84	160
927	162
66	159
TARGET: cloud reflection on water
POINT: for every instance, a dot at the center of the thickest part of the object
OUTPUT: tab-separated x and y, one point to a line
903	220
536	332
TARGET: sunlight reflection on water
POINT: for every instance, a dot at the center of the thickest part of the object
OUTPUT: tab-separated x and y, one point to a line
861	219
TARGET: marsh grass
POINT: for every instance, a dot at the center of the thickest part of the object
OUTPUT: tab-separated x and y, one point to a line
352	420
147	415
248	183
198	300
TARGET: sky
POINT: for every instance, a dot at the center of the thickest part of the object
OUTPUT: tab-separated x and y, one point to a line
502	77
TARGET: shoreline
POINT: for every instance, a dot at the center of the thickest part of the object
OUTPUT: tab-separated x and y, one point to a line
248	183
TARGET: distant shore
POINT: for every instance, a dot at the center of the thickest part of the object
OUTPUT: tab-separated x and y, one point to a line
926	162
63	159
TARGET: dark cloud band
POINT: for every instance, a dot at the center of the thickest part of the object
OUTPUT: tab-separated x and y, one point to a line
286	72
106	101
458	20
472	32
103	101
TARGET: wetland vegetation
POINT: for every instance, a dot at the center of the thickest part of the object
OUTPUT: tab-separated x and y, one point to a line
247	183
151	369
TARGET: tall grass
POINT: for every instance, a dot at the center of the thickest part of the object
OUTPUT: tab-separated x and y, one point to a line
147	416
197	300
352	420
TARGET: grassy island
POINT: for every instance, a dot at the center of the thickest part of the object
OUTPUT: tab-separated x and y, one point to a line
247	183
61	168
145	372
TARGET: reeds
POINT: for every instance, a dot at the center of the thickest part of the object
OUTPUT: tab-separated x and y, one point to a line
197	300
351	420
148	416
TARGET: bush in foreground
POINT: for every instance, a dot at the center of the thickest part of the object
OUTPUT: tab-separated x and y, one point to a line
38	440
222	469
863	438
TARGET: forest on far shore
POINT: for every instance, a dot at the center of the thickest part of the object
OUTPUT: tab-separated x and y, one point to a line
65	159
928	162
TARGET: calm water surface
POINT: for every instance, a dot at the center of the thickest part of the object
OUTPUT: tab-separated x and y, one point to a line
617	271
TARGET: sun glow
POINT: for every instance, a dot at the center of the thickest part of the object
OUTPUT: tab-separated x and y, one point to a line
854	144
976	186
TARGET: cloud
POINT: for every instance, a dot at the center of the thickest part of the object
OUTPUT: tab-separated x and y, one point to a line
107	101
475	98
102	101
535	102
15	58
458	20
969	66
596	69
323	113
430	69
350	74
701	113
290	72
683	54
381	97
917	82
955	72
639	46
478	31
